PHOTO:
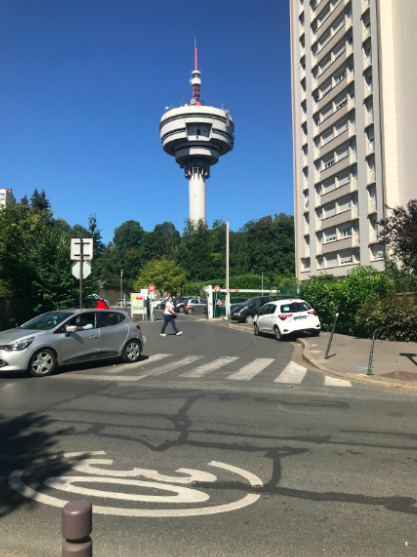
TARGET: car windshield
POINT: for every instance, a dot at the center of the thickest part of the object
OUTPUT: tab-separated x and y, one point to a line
295	307
46	321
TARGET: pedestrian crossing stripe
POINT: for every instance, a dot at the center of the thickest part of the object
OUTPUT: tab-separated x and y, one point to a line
292	374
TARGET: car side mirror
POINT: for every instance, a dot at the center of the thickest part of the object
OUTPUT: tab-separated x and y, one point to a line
70	329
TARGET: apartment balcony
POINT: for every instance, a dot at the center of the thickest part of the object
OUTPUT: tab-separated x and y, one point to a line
370	149
333	93
371	177
340	218
367	63
336	37
372	208
334	66
305	185
337	193
304	140
307	252
337	245
337	167
369	119
303	118
327	23
303	95
366	4
302	51
368	91
306	230
337	141
373	237
366	33
302	73
336	116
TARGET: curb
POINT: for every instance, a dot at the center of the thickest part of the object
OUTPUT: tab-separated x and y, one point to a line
239	328
359	378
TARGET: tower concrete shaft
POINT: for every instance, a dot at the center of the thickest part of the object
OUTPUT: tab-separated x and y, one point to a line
197	171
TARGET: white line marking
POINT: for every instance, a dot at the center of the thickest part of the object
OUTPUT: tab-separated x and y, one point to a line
16	483
137	365
169	367
333	382
292	373
210	366
115	379
250	370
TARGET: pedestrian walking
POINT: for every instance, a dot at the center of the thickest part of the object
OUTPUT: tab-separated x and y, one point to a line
169	317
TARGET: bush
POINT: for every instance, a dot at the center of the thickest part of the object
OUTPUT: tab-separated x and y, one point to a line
327	295
394	318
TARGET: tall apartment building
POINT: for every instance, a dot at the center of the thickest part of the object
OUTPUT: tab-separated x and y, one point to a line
5	195
354	88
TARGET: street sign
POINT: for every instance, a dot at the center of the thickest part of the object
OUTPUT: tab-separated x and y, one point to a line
217	289
76	269
81	249
151	288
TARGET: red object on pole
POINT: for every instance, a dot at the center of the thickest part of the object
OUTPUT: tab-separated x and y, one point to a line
101	305
217	289
195	55
151	288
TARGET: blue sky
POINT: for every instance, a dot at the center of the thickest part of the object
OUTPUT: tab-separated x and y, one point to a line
84	83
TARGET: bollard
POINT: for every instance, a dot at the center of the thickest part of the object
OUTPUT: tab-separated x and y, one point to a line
371	357
331	337
77	524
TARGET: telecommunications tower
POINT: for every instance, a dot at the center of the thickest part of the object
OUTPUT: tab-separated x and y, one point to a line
197	135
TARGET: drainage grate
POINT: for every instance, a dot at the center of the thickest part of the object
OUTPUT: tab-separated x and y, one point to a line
401	375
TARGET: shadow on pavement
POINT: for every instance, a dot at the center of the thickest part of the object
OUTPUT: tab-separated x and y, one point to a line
24	440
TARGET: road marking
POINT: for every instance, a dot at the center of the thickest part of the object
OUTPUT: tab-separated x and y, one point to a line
333	382
119	378
183	495
246	373
150	360
169	367
292	373
210	366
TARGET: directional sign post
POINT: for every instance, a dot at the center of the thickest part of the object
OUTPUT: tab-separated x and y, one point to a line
81	251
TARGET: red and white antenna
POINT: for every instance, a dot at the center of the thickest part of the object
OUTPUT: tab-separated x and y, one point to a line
195	80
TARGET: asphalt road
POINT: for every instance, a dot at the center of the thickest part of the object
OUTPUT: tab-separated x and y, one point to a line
217	443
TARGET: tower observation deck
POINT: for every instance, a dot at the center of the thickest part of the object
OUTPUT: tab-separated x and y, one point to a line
197	136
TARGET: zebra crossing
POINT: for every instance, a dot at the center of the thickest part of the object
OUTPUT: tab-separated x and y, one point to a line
219	368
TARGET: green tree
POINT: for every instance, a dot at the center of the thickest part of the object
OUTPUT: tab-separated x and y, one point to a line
24	200
39	202
128	235
164	274
163	241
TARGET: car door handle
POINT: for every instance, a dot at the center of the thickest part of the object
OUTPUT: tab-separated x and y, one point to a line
93	336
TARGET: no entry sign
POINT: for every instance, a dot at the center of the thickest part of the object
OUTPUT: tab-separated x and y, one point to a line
151	288
217	289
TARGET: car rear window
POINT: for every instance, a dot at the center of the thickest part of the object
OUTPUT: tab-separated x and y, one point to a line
295	307
110	318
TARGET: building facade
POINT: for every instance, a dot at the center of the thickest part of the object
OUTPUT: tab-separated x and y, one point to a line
5	196
354	80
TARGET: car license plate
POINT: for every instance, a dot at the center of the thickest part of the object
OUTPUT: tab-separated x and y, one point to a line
303	317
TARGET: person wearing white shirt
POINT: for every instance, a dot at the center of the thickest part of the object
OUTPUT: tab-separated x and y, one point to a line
169	317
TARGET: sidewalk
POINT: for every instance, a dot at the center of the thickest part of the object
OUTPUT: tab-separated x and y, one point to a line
394	363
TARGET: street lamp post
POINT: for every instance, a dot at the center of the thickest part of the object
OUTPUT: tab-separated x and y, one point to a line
262	271
121	286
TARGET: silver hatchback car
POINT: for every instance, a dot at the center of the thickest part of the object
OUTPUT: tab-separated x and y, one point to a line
68	337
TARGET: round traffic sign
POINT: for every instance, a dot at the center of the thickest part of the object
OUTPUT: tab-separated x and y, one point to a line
151	288
217	289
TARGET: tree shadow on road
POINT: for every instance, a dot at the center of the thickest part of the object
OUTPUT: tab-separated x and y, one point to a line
23	440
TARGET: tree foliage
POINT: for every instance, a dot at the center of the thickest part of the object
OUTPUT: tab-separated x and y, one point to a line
164	274
399	232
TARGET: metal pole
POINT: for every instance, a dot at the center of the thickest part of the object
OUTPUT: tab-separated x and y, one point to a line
227	271
331	337
77	524
81	271
262	281
121	285
371	356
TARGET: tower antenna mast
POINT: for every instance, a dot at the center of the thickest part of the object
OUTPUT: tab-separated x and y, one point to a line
195	80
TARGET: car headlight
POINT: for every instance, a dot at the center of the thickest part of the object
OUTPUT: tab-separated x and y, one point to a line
18	345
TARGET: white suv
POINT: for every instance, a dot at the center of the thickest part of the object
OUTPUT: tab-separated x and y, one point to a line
284	317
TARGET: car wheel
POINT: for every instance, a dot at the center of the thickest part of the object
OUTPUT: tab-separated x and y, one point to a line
256	330
315	333
42	363
277	333
249	319
182	310
189	311
132	351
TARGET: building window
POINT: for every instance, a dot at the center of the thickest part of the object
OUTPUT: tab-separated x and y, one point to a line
344	205
338	25
330	235
329	185
339	50
327	136
331	260
329	210
340	76
342	153
340	103
343	180
346	232
346	259
325	64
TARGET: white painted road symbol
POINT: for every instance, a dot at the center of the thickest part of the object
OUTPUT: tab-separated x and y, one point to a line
96	475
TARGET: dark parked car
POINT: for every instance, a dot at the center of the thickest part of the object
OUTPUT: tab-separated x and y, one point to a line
249	309
196	305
